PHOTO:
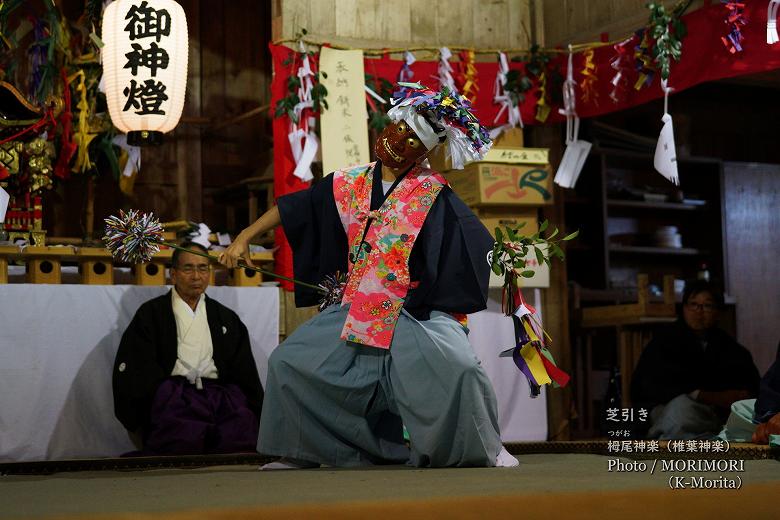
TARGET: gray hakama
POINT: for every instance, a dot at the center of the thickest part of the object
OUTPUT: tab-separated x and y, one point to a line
344	404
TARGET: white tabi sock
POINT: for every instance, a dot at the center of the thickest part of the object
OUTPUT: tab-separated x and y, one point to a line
506	460
288	463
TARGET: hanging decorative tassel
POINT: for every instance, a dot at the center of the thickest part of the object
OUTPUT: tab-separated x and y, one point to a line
468	75
445	70
644	61
133	164
589	79
542	108
618	63
509	259
501	97
38	57
771	21
735	20
576	152
406	74
82	137
665	161
530	353
303	141
68	148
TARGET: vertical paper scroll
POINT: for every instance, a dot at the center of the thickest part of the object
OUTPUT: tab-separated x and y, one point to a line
343	125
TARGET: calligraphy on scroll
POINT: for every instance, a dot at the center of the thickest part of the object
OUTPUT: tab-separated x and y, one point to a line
344	128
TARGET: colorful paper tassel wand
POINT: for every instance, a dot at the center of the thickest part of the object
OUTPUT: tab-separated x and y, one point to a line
135	237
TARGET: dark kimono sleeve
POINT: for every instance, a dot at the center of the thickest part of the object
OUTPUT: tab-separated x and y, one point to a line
746	375
659	377
137	373
451	260
240	367
313	228
768	403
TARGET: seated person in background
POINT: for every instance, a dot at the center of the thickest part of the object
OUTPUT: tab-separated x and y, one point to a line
689	375
767	412
184	374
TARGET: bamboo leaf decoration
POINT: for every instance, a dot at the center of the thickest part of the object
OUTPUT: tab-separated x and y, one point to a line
510	250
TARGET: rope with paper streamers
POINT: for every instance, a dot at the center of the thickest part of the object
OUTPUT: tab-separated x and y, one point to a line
433	51
467	75
445	70
542	108
306	97
82	138
619	64
303	140
643	61
68	147
771	22
735	19
665	160
589	79
509	101
536	59
406	73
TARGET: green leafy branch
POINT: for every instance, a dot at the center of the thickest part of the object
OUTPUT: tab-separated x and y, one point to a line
512	248
378	119
517	84
286	105
537	62
668	30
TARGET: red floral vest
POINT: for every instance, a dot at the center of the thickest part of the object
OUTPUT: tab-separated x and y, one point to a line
379	262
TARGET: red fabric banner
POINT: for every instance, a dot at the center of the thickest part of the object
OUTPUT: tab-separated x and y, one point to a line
284	164
704	58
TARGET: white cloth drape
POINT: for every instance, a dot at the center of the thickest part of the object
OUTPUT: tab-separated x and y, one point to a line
57	349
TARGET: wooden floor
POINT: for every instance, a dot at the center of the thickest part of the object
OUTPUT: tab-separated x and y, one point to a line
544	486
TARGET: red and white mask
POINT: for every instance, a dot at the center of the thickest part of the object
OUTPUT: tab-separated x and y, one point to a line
398	146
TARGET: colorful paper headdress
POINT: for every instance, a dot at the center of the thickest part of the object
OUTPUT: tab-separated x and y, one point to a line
443	117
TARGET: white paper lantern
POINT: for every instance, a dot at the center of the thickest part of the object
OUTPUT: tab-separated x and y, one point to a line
145	67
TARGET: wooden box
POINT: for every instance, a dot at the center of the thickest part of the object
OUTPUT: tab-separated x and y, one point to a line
44	264
509	183
150	273
242	277
524	218
96	266
153	273
512	138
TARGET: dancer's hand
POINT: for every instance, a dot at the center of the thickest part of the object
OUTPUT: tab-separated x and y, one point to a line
237	252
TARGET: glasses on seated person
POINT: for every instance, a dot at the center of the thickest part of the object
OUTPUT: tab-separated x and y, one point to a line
706	307
200	269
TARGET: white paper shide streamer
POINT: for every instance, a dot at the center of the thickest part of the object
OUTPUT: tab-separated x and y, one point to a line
201	235
445	69
303	141
4	199
665	161
501	97
133	155
406	74
576	150
771	21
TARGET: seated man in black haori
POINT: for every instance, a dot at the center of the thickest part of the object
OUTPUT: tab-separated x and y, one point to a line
690	374
184	376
